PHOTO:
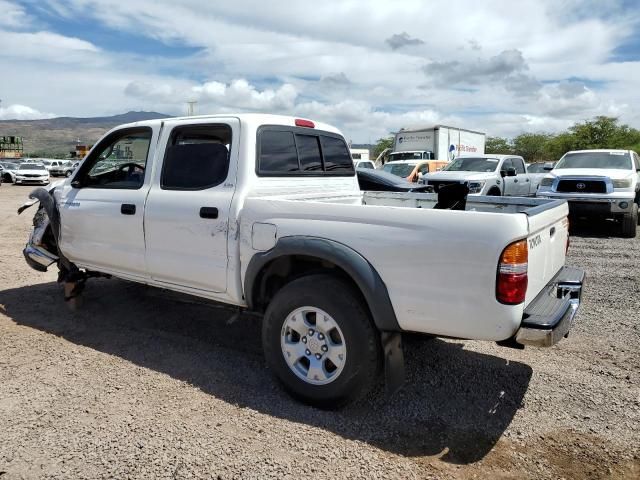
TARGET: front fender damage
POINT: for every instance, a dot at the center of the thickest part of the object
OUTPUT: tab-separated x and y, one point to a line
42	249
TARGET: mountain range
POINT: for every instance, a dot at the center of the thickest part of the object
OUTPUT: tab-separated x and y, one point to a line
55	137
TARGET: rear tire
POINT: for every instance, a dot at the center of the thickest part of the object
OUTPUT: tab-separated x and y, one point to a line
630	222
312	321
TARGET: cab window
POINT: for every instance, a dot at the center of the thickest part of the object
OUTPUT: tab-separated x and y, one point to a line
197	157
118	162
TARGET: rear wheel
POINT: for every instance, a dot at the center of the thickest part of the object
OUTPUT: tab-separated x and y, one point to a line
320	342
630	222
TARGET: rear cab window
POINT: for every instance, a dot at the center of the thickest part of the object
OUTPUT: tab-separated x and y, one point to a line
294	151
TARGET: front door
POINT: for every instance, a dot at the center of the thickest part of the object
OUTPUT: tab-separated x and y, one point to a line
102	209
187	213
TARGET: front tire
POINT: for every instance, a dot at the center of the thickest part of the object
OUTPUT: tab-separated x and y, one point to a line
320	342
494	192
630	222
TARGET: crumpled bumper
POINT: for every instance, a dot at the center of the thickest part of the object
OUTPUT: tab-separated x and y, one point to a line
38	258
36	255
549	317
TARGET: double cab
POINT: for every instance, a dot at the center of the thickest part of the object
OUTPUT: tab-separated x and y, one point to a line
264	213
495	175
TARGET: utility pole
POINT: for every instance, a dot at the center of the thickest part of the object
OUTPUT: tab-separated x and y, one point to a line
191	108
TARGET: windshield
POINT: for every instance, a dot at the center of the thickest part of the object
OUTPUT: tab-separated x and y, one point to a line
405	156
616	160
33	166
399	169
536	168
470	164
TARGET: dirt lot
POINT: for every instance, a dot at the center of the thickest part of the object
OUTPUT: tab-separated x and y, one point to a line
142	384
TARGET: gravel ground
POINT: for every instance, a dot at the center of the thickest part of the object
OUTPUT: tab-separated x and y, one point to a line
143	384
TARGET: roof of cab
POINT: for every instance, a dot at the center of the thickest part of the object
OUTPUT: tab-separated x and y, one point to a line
255	119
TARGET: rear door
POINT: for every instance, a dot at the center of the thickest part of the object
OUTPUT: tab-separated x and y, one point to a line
187	213
522	181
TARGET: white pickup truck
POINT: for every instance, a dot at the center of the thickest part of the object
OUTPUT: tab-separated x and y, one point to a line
264	212
598	183
489	174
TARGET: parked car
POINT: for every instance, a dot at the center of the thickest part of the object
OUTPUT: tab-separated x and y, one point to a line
63	169
9	171
537	171
31	173
598	184
540	167
276	223
364	164
493	175
49	164
411	169
380	181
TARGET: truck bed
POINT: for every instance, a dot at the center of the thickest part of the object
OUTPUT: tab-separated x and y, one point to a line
438	265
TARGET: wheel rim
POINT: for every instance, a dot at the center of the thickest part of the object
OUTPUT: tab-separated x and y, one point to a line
313	345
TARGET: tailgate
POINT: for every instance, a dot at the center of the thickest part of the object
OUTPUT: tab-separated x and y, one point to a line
547	242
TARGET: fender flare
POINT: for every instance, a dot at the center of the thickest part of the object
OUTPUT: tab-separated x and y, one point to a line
355	265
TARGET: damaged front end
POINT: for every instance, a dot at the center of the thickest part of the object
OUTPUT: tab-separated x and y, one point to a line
41	250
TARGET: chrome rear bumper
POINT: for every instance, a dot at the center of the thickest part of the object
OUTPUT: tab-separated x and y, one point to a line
551	315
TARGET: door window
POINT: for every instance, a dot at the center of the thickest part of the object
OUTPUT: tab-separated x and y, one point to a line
518	164
118	162
424	168
197	157
507	164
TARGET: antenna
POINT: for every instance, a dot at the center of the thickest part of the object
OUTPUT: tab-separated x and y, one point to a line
191	108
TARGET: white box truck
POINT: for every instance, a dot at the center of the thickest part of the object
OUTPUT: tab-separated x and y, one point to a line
436	143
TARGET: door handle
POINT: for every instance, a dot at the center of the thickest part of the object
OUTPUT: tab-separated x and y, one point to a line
208	212
515	180
128	209
527	180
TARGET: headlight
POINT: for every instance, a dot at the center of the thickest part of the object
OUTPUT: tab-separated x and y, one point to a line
623	183
476	187
546	182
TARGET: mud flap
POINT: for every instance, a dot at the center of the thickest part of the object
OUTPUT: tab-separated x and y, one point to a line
394	374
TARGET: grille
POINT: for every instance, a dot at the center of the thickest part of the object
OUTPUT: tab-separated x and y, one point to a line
436	184
32	175
582	186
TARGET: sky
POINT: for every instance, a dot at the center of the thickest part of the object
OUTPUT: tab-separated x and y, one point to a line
367	67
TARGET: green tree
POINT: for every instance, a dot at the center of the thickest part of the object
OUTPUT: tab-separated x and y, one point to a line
603	132
381	145
557	145
530	146
498	145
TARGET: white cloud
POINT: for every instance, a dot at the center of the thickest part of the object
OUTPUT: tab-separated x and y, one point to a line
13	15
22	112
334	62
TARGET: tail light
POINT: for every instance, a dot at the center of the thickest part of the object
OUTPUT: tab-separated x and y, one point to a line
511	284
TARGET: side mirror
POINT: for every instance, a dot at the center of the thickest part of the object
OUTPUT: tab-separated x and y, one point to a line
548	168
511	172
